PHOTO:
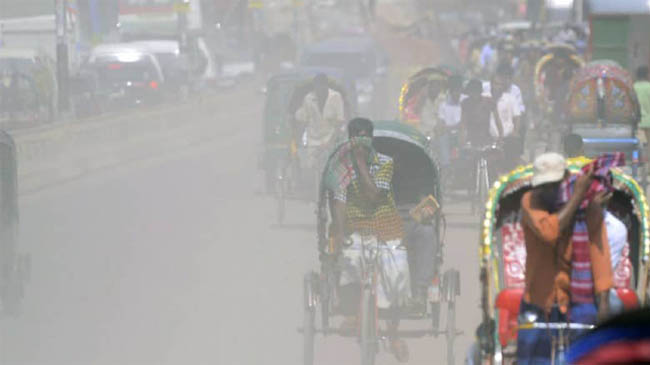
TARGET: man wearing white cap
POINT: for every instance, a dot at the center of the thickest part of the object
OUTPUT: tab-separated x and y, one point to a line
549	235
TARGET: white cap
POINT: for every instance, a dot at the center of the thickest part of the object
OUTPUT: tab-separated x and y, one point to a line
548	168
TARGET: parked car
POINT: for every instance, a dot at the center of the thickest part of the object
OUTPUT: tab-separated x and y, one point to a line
129	75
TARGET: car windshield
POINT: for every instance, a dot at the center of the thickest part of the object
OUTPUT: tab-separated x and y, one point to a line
354	65
21	65
115	71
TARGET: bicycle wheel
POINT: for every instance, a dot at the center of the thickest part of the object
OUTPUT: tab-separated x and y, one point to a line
482	187
451	332
478	186
308	324
368	338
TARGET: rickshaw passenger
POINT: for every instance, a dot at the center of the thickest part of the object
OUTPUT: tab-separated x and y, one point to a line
449	113
364	210
321	113
509	112
429	107
568	272
420	239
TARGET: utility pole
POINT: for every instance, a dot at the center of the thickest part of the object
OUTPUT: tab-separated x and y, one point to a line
62	68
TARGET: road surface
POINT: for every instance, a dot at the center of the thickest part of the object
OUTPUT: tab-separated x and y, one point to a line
177	261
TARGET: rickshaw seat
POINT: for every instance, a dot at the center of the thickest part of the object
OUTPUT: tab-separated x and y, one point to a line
507	303
628	297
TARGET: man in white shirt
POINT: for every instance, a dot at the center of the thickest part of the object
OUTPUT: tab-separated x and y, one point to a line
449	114
430	106
509	112
321	113
507	106
617	237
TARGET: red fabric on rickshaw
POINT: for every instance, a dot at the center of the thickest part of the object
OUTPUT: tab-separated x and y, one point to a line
507	303
628	297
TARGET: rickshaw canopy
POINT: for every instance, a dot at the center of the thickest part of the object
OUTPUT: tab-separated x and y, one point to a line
281	95
414	88
416	171
520	180
606	80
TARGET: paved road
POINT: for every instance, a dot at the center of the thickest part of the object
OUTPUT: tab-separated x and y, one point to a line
177	261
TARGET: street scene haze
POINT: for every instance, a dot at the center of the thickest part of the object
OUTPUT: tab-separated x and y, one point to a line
321	182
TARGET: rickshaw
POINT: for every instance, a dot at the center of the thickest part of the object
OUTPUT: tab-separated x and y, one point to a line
284	93
503	257
414	92
603	109
415	172
553	72
14	267
465	158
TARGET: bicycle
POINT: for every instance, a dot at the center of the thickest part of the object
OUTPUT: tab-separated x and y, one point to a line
560	341
482	177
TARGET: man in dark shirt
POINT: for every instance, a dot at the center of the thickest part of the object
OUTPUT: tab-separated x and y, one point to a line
475	115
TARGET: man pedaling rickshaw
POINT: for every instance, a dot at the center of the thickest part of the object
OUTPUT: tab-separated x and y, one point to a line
321	113
364	213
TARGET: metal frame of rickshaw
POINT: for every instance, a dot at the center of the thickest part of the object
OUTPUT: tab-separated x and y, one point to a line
320	286
491	253
279	139
596	143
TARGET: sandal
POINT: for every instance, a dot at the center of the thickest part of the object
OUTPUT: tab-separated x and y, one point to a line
400	350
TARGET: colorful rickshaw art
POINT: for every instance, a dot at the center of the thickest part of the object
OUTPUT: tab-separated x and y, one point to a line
414	92
603	92
503	256
603	109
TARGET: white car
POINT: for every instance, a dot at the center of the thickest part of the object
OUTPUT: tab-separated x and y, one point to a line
130	75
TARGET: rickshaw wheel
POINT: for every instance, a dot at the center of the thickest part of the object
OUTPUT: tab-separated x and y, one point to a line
451	284
451	332
368	338
281	196
309	319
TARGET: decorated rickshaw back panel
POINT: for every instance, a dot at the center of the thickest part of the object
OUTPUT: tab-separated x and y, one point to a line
604	79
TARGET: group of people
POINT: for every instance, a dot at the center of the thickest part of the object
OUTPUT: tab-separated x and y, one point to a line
475	113
573	243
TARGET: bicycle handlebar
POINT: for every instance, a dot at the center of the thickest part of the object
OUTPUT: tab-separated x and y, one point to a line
556	326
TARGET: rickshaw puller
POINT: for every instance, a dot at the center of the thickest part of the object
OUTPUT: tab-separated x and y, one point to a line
364	211
568	271
321	113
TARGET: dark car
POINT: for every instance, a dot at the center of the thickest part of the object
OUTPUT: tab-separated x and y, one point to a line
127	75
